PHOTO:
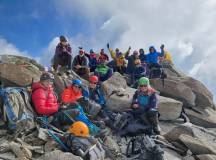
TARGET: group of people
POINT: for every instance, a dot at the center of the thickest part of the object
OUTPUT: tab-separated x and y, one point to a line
96	68
136	65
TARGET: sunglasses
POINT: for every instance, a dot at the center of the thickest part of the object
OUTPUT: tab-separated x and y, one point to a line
143	85
77	86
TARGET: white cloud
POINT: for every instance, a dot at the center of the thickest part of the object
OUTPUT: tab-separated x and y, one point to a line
8	48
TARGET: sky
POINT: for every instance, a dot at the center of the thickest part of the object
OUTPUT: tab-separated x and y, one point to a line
187	28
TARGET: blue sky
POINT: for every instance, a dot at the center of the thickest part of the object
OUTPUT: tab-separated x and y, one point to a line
187	28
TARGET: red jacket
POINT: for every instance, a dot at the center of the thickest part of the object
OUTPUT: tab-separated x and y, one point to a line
69	96
44	99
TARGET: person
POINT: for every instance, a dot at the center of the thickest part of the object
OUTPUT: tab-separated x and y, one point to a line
70	96
142	56
140	70
131	59
96	94
63	54
92	60
103	56
119	58
80	64
165	56
153	63
102	71
45	101
144	104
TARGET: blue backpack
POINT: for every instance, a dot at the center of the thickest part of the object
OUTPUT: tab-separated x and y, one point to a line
16	111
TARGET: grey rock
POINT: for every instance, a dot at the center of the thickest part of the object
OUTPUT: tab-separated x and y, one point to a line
206	157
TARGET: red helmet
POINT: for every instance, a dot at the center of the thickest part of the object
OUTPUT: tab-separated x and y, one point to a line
93	79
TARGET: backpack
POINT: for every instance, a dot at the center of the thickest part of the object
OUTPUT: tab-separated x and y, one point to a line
88	148
16	110
144	148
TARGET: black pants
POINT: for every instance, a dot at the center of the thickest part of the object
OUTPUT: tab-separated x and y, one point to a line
63	60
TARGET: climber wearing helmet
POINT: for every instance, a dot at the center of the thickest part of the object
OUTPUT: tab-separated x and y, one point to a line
80	64
144	104
119	58
96	95
45	102
62	55
71	95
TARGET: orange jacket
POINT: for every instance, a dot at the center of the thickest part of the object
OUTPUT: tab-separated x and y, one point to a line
69	96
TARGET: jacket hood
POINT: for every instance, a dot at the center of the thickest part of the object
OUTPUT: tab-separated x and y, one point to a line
152	47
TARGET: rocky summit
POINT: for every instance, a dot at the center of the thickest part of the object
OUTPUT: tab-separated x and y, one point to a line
192	137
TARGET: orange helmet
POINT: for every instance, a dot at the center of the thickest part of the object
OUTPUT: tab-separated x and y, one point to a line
79	129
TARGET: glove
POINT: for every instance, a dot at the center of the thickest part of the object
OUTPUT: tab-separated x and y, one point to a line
108	45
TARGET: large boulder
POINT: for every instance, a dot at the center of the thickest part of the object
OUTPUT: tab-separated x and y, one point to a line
18	70
205	117
206	157
204	97
169	109
175	89
196	146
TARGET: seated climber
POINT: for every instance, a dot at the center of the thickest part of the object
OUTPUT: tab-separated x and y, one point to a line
165	56
119	58
153	65
144	104
131	61
92	60
103	56
45	101
140	70
80	64
102	71
142	56
96	94
70	96
62	55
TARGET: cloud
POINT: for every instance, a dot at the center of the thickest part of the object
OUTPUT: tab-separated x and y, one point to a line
187	28
9	48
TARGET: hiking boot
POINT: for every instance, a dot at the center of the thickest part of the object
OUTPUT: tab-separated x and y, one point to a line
155	123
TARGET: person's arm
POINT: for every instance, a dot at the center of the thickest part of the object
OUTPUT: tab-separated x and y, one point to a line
126	54
135	100
153	101
58	50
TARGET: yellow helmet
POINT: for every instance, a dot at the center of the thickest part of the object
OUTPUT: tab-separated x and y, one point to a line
79	129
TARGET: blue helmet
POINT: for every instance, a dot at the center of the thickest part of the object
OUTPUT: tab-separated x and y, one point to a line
77	82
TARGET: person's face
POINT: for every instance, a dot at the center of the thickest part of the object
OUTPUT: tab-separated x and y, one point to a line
64	43
92	85
141	51
47	83
143	88
151	50
76	88
81	53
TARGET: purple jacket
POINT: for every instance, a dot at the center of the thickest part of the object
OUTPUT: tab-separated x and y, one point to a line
59	49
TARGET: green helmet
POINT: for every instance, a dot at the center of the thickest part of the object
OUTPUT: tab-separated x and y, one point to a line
143	81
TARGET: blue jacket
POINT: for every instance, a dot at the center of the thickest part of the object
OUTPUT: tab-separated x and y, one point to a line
97	95
152	57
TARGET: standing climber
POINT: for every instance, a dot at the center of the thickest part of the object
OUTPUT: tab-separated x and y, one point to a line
142	56
62	55
144	104
103	56
131	61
